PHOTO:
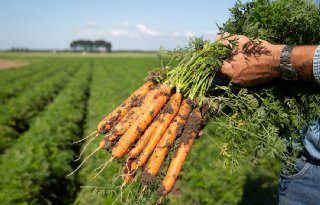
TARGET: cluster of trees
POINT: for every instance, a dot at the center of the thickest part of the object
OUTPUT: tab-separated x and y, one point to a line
19	49
91	46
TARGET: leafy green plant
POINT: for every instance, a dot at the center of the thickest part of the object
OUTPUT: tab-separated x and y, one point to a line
277	21
11	90
18	112
282	108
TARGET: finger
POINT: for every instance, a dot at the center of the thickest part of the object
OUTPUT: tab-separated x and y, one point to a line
222	36
225	42
227	69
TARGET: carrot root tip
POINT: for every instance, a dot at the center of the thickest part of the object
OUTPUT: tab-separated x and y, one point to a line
85	147
102	167
83	139
83	161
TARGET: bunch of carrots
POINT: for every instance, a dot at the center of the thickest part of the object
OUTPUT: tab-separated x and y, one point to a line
166	109
145	127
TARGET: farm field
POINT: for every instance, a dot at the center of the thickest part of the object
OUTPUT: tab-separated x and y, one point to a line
59	98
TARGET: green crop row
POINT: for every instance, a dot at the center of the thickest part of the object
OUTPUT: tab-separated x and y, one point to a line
34	169
10	90
9	76
16	115
113	80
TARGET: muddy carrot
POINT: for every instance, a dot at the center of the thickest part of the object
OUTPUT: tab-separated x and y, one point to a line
190	132
174	130
121	128
144	139
166	117
105	124
149	112
124	124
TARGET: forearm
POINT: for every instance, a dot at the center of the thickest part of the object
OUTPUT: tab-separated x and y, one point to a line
255	64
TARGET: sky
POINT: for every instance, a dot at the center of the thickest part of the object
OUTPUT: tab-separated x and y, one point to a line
128	25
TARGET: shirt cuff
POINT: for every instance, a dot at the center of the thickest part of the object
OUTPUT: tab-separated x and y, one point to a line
316	65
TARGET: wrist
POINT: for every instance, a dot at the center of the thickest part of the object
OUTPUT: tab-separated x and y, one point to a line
276	54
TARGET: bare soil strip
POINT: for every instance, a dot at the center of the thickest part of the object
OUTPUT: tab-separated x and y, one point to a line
6	64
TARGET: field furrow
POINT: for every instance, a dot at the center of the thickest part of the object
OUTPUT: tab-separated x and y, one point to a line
9	76
113	81
14	89
17	114
34	169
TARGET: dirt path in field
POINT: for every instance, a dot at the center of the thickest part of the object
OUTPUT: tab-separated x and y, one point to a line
6	64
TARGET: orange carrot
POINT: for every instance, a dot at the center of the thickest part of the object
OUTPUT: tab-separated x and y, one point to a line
190	132
105	124
150	110
167	115
166	141
124	124
111	138
144	139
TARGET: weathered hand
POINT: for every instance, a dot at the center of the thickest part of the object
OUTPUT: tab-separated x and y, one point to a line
251	63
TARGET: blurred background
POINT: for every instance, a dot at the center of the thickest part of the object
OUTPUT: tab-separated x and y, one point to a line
140	25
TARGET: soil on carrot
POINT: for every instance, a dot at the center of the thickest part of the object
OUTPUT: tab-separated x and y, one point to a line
167	94
205	112
166	145
112	121
154	86
127	166
132	145
137	101
155	75
161	120
139	130
114	130
105	143
146	178
175	150
191	104
161	190
179	129
151	113
168	109
194	124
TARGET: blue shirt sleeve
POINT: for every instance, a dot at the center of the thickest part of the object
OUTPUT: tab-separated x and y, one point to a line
311	133
316	65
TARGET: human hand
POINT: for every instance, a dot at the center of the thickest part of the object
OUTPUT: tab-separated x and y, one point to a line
251	63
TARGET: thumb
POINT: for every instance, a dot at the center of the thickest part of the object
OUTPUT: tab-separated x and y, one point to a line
226	69
222	38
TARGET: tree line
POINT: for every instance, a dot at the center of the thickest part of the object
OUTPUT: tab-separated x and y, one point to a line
91	46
